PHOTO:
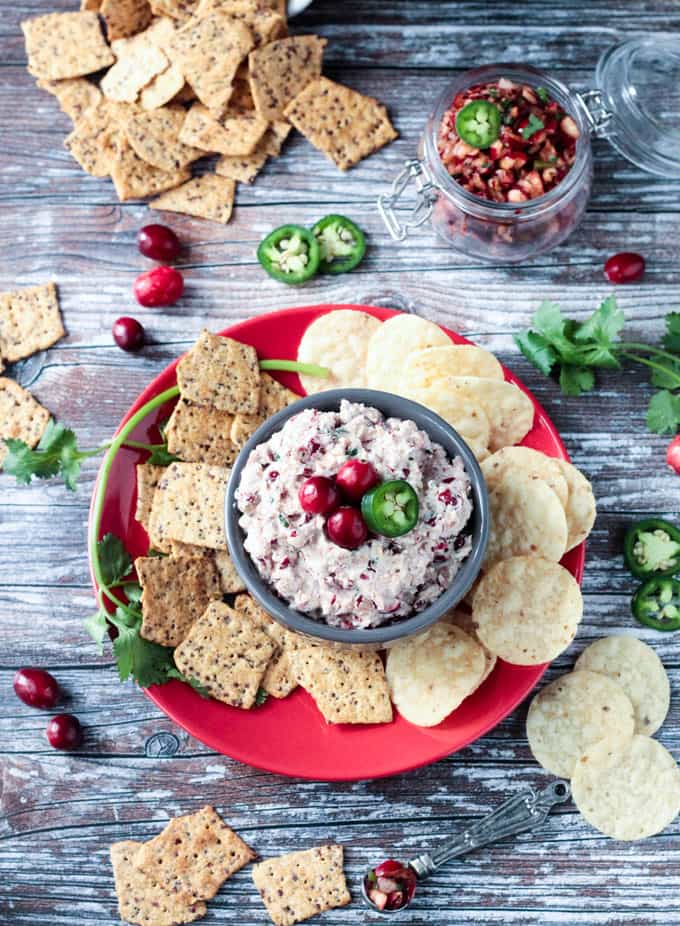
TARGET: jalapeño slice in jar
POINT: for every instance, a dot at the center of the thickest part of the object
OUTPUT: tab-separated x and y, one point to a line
391	509
652	548
479	123
656	604
342	244
290	254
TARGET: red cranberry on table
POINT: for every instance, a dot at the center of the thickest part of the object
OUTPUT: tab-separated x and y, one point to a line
346	528
128	333
355	478
673	454
158	242
625	267
64	732
318	495
36	687
160	286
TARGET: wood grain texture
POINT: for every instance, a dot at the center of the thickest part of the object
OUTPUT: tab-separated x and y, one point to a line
61	812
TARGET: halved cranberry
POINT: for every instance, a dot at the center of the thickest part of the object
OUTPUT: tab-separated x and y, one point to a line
160	286
318	495
36	687
355	478
346	528
128	333
158	242
625	267
64	732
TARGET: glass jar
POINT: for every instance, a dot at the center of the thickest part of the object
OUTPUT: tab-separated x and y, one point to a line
636	106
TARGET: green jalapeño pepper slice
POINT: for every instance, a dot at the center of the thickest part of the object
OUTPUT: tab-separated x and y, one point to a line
290	254
342	244
479	123
391	509
652	548
656	604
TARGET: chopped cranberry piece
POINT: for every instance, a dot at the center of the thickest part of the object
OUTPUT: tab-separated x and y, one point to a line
36	687
128	333
158	242
158	287
64	732
319	495
355	478
448	497
625	267
346	528
273	474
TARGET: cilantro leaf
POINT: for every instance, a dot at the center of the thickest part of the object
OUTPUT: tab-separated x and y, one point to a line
147	663
98	628
533	125
604	324
549	321
261	697
663	413
574	380
671	339
114	560
667	377
133	592
537	350
542	94
56	454
162	457
174	672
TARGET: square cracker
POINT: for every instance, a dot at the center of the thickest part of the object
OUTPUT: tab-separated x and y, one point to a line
154	137
221	372
176	590
188	505
148	477
133	178
180	10
125	17
134	69
265	24
208	51
30	320
200	434
62	45
247	167
21	417
238	133
281	70
230	581
194	855
278	680
206	197
163	88
141	899
348	686
76	95
345	125
298	886
228	653
88	142
273	398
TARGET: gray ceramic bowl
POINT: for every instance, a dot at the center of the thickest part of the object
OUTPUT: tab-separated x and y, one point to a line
391	406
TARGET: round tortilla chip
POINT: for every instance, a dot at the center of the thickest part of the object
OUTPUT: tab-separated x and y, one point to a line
337	340
464	620
425	367
576	711
389	347
509	410
431	674
638	670
529	461
527	610
526	519
581	509
467	418
627	790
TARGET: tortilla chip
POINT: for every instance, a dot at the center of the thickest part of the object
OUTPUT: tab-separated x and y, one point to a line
133	178
273	398
339	341
228	653
221	372
230	581
148	477
61	45
163	88
238	133
194	855
281	70
206	197
279	679
154	136
345	125
200	434
141	899
247	167
142	61
76	95
21	417
298	886
188	505
30	320
125	17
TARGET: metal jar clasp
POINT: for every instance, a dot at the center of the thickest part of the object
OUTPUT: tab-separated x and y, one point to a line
426	196
597	114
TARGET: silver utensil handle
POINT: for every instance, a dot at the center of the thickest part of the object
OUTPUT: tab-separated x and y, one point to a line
524	811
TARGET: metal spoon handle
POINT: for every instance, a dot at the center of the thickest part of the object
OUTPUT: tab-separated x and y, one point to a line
524	811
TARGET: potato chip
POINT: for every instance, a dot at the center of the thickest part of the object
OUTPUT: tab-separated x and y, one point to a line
431	674
531	462
627	790
527	518
391	345
337	340
527	610
466	623
465	416
638	670
425	367
509	410
581	509
576	711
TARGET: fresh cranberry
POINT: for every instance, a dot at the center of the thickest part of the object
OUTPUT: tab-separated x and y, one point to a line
160	286
355	478
64	732
158	242
128	333
673	454
625	267
36	687
319	495
346	528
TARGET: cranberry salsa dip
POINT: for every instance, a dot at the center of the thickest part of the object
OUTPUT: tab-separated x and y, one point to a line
353	518
506	141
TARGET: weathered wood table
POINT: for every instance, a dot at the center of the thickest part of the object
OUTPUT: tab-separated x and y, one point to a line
61	812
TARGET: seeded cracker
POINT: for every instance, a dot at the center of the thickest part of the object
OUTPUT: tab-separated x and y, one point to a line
176	590
148	477
76	95
281	70
230	581
163	88
154	136
273	398
125	17
298	886
141	899
188	506
87	143
247	167
279	679
266	25
180	10
200	434
206	197
345	125
194	855
62	45
21	417
30	321
142	61
221	372
238	133
133	178
228	653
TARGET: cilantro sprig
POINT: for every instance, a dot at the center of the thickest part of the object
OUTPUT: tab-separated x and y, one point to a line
533	125
574	350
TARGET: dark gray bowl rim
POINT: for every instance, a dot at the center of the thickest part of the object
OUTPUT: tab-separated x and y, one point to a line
387	633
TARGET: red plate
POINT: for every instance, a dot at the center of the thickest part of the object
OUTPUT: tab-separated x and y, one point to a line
290	737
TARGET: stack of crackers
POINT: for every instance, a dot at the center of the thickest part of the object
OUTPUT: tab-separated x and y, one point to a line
30	321
154	86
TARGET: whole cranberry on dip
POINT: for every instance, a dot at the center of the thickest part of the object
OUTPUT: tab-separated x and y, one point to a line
506	141
407	539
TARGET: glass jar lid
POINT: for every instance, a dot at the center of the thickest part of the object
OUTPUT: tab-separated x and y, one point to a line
637	104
